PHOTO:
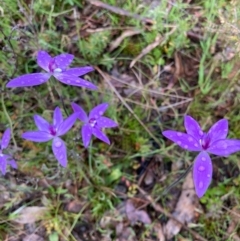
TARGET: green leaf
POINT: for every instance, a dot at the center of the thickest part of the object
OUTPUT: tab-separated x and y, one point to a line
53	237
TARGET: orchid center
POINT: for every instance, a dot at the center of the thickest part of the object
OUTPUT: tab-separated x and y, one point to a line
92	122
53	68
52	131
57	70
205	141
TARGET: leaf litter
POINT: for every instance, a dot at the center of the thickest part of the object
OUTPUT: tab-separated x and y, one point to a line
186	210
137	214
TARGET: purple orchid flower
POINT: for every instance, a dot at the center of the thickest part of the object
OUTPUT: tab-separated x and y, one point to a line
214	142
48	132
56	67
4	158
94	123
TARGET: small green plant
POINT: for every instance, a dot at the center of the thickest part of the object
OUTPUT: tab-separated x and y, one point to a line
205	82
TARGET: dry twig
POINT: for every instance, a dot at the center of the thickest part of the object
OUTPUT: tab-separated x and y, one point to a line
159	39
107	79
146	50
153	93
125	34
120	11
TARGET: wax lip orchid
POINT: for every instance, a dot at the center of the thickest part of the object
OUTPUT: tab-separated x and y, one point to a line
214	142
94	123
57	67
4	158
48	132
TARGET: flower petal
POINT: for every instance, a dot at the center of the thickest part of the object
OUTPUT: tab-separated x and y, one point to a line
43	60
98	111
86	135
74	80
5	138
184	140
57	117
192	127
104	122
81	113
37	136
41	123
28	80
63	60
100	135
60	151
202	173
224	147
3	164
218	131
67	124
9	159
13	164
79	71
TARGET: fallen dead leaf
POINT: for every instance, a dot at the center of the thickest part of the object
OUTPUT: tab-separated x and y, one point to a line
158	228
234	224
74	206
185	208
4	197
30	214
125	233
33	237
134	215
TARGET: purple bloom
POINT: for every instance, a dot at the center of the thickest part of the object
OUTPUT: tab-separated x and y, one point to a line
4	158
52	131
94	123
57	67
214	141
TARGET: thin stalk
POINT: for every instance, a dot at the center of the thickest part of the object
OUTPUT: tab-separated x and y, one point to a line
90	158
177	181
59	93
9	119
51	92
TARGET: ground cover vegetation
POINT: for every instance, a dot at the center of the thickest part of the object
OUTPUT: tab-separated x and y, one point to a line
94	94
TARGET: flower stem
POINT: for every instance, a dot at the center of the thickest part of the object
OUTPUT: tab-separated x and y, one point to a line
177	181
9	119
90	158
59	92
50	91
